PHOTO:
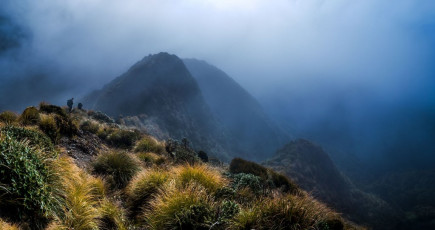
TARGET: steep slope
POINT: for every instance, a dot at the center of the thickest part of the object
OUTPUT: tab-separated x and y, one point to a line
310	167
159	94
255	135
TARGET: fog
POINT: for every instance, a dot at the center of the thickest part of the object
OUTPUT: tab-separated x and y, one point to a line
357	76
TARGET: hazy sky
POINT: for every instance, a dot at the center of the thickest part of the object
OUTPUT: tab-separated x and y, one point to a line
310	58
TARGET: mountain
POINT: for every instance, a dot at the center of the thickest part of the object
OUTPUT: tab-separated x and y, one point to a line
159	94
311	168
257	137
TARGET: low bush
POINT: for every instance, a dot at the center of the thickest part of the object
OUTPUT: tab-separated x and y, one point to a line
143	188
47	108
149	144
189	208
99	116
27	182
49	127
90	126
283	183
33	137
122	138
117	167
202	175
8	117
227	210
30	116
181	152
239	165
244	180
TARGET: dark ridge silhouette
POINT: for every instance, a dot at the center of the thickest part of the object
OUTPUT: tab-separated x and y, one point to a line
312	169
159	94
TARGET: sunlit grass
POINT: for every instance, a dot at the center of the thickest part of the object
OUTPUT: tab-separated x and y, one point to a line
201	174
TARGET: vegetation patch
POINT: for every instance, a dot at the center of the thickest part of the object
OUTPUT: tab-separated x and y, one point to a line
27	182
202	175
123	138
90	127
33	137
8	117
49	109
30	116
117	167
149	144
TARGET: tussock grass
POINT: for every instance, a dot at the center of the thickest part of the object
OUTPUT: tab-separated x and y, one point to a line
150	158
121	138
112	216
30	116
33	137
144	187
6	226
49	127
288	212
188	208
90	126
8	117
82	195
149	144
54	109
117	167
201	174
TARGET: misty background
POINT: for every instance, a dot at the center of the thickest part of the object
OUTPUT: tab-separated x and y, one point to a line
357	77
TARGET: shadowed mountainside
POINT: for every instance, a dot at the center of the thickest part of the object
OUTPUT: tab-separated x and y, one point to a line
159	95
239	112
311	168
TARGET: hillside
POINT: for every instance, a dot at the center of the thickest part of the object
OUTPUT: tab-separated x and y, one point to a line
159	95
239	112
80	170
314	171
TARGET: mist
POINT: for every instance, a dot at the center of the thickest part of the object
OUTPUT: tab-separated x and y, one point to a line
356	76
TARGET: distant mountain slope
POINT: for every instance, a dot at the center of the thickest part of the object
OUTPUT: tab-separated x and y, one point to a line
159	92
255	135
310	167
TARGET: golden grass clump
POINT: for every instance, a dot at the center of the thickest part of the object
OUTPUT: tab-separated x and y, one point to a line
188	208
30	116
6	226
288	212
149	144
117	167
144	187
82	195
49	127
150	158
112	216
8	117
201	174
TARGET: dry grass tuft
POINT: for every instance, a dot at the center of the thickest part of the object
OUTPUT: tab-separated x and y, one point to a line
201	174
6	226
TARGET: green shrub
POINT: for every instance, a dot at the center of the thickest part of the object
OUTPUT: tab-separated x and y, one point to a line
118	167
227	210
243	180
8	117
239	165
30	116
90	126
181	152
149	144
123	138
99	116
49	127
47	108
34	138
143	188
67	127
188	208
26	179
